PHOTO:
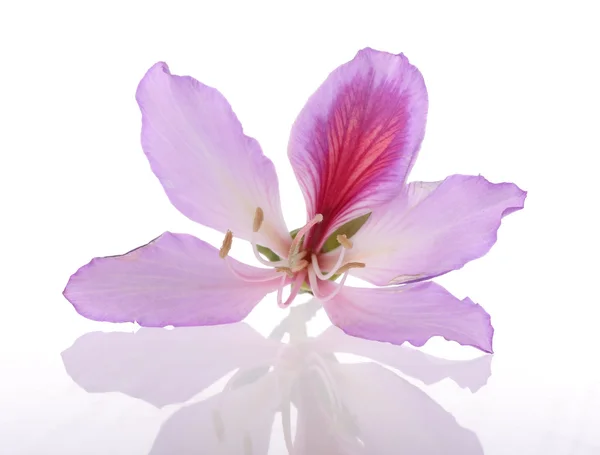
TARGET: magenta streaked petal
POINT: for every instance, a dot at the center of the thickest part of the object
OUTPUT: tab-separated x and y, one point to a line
432	228
412	312
356	139
211	171
175	279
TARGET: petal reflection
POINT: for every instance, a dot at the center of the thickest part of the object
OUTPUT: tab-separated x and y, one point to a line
164	366
325	407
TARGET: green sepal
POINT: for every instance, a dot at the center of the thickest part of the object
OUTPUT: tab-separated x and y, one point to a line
268	253
350	228
305	289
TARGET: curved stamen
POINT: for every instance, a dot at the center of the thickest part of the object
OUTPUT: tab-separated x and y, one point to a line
285	270
295	246
351	265
262	260
343	240
346	245
312	278
295	289
259	217
280	290
317	269
249	279
299	266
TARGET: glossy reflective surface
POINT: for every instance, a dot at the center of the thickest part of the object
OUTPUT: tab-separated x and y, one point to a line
229	389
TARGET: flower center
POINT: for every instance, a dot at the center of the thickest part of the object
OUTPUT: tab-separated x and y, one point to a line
300	265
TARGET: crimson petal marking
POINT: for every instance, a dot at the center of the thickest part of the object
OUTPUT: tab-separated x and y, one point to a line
356	139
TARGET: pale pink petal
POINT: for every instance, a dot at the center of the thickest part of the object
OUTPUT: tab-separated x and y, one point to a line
412	312
356	139
175	279
211	171
431	229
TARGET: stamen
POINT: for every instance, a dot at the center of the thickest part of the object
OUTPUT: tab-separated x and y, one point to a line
301	255
227	241
296	285
285	270
263	261
249	279
346	245
280	290
343	240
259	217
295	246
300	265
312	278
315	264
350	265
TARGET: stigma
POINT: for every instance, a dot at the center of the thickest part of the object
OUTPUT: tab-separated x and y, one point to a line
300	267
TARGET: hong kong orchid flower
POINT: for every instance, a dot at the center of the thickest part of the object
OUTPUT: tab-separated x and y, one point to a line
351	148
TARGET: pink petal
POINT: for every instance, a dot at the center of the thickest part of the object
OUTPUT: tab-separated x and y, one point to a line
432	228
413	313
175	279
356	139
211	171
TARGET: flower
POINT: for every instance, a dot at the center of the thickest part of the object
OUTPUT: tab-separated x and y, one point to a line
351	148
340	407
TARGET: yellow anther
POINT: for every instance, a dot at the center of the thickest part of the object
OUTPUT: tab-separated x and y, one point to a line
343	240
227	241
285	270
259	217
350	265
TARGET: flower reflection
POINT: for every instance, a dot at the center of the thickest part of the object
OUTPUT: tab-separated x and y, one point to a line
323	406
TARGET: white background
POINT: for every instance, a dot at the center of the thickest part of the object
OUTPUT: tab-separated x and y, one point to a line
514	96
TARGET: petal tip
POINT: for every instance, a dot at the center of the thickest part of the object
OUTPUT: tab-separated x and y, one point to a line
486	342
156	70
